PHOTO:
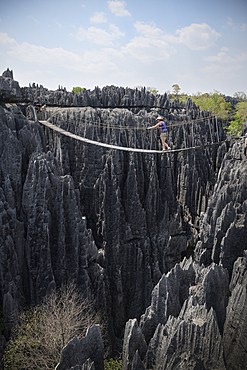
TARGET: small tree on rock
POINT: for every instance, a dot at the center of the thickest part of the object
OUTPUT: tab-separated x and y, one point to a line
42	332
77	89
176	89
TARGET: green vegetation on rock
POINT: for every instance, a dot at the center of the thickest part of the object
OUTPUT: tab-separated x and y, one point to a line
218	106
41	333
236	124
77	89
113	364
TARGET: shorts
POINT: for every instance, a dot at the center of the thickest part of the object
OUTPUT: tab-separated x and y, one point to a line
163	135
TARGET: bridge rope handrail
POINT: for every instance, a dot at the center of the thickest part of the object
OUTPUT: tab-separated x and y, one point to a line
101	124
184	122
116	147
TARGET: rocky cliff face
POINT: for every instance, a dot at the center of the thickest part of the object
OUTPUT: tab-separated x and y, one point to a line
196	318
119	224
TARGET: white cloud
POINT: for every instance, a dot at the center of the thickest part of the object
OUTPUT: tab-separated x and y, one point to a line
118	8
94	61
197	36
219	69
37	54
151	45
99	36
224	49
224	65
230	22
148	29
97	61
35	20
116	31
40	54
242	57
98	17
243	27
221	57
59	24
5	39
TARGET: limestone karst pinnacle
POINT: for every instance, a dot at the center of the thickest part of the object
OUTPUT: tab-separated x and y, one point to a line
155	239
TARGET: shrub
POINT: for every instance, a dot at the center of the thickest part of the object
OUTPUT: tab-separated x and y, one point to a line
236	125
113	364
76	89
41	333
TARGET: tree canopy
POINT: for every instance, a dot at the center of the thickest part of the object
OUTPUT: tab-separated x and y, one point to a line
216	104
240	115
176	89
41	333
77	89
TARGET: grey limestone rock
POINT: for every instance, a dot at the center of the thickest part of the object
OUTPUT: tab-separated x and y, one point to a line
118	223
10	90
190	341
2	344
84	354
134	346
235	327
136	363
223	227
8	74
60	229
88	365
208	285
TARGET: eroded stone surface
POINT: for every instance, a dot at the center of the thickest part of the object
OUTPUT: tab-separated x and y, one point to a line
85	353
119	224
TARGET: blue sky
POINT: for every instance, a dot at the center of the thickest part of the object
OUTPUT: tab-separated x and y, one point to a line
200	45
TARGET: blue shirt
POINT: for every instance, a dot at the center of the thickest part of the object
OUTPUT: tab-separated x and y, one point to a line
163	127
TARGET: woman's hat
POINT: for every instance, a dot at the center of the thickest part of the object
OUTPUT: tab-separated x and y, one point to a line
159	118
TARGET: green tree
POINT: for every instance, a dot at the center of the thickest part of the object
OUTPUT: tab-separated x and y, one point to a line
236	125
113	364
214	103
76	89
176	89
152	90
240	95
38	339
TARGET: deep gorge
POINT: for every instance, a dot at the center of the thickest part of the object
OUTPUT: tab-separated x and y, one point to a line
157	240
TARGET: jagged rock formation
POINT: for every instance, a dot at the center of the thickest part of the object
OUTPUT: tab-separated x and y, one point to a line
134	347
84	354
235	334
197	320
10	90
191	341
223	229
184	322
119	224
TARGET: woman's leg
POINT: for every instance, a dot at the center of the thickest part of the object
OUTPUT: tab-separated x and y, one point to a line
165	146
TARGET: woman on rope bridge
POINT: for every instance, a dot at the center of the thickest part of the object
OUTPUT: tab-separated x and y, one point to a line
164	132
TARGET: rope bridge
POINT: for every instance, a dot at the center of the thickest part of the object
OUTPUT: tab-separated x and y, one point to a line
213	133
116	147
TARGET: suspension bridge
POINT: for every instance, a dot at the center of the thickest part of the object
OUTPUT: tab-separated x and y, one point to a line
138	150
116	147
